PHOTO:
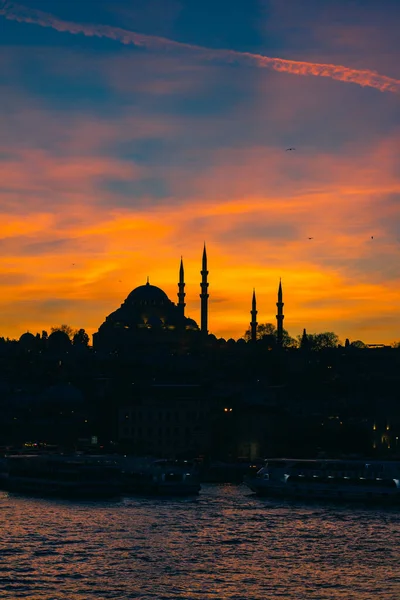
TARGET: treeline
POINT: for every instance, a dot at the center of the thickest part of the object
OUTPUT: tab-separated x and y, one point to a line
265	333
78	337
312	341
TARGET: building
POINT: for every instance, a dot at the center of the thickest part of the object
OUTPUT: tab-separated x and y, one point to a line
169	420
149	319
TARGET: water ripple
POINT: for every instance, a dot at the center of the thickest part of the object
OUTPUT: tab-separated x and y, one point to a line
224	544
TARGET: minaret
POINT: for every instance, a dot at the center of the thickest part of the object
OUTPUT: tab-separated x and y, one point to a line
204	294
181	291
304	340
253	313
279	316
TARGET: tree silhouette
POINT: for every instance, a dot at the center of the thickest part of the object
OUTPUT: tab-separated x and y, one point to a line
358	344
80	338
320	341
268	329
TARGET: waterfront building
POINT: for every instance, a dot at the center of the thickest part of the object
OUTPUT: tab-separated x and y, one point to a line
169	420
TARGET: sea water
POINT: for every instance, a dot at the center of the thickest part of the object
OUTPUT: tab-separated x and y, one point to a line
224	543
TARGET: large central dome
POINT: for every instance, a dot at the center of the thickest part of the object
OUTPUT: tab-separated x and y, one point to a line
147	295
147	310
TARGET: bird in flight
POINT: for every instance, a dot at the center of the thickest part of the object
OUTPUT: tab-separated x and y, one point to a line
311	238
289	149
372	237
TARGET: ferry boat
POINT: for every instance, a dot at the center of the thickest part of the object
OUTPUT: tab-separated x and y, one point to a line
63	475
232	471
326	479
159	476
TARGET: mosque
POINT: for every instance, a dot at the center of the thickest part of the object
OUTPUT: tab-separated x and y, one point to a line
149	318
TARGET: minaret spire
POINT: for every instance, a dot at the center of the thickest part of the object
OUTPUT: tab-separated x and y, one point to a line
181	291
253	313
304	340
204	293
279	316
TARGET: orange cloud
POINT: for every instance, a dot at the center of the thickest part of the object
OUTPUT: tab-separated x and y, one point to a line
72	248
362	77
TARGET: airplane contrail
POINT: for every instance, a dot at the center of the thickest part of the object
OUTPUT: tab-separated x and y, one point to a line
364	78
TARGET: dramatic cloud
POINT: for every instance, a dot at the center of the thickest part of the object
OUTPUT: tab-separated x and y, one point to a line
91	264
115	162
365	78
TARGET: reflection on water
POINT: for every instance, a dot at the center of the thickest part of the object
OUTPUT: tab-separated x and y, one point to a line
225	543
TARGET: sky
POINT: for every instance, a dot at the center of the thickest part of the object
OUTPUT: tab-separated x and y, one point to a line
133	131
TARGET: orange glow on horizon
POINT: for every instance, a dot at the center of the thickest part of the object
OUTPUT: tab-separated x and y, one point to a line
87	281
97	193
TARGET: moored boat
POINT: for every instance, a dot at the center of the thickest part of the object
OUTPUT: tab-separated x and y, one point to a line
232	471
62	475
159	476
348	480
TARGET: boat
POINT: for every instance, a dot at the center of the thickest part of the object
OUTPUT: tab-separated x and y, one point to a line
63	475
231	471
328	479
159	476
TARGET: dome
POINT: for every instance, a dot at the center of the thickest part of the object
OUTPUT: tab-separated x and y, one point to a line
25	337
146	309
59	336
28	341
58	341
148	295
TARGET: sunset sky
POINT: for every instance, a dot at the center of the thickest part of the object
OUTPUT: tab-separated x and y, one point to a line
133	131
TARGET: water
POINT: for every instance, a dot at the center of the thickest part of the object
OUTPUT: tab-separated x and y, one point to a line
225	543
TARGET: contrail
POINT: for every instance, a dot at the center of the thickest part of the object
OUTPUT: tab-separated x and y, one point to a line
364	78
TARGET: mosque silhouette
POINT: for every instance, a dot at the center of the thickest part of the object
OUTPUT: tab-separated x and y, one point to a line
149	317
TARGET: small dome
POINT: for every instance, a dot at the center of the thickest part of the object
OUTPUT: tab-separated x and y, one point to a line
27	336
59	339
27	340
